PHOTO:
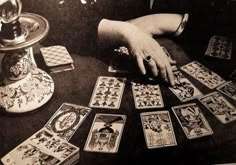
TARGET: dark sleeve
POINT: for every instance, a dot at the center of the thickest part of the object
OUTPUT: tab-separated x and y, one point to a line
73	23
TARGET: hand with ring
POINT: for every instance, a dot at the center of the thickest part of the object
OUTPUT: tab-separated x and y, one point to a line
150	56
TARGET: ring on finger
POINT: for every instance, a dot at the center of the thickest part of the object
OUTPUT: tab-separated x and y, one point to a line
148	59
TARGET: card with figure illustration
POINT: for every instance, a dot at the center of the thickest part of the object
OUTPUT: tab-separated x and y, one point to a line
229	89
219	106
158	130
105	133
107	92
43	147
67	119
203	74
183	88
219	47
147	96
192	120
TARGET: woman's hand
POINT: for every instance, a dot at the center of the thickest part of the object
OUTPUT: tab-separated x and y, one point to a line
141	45
149	55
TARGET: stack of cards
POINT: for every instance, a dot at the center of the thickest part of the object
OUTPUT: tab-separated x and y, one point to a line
183	88
203	74
105	133
147	96
158	129
44	147
219	107
107	92
50	145
219	47
192	121
57	58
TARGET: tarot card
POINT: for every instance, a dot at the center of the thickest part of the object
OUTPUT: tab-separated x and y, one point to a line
108	92
219	107
105	133
147	96
67	119
158	129
120	63
219	47
203	74
43	147
183	88
233	75
192	121
229	89
57	58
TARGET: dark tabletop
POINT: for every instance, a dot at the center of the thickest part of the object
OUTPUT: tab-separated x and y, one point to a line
76	87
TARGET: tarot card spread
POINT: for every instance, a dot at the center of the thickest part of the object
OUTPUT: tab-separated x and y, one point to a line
203	74
219	107
192	121
158	129
229	89
183	88
105	133
108	92
219	47
147	96
43	147
67	119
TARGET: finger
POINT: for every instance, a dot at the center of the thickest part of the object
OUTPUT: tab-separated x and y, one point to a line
141	65
162	68
170	75
153	68
172	62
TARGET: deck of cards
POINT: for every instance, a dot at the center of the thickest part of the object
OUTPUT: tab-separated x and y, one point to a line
57	58
43	147
50	144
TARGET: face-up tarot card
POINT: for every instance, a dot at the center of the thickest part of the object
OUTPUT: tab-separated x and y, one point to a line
229	89
219	47
121	61
192	121
203	74
43	147
183	88
105	133
67	119
107	92
158	129
219	107
147	96
233	75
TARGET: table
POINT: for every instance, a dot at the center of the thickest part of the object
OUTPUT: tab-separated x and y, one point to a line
77	86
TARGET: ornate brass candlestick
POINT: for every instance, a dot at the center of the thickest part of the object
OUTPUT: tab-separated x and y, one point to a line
23	86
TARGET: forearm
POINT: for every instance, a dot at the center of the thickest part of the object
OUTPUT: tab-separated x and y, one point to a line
115	32
158	24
